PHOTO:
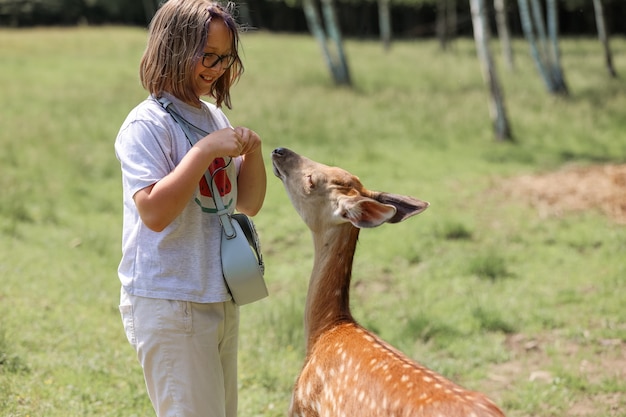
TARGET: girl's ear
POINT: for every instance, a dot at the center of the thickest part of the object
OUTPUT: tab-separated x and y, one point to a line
364	212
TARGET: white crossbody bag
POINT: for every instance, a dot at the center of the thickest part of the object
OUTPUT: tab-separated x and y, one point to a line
242	259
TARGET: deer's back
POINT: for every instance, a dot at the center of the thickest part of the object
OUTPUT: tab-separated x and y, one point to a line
351	372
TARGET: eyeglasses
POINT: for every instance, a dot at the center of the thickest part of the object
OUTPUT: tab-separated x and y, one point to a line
210	60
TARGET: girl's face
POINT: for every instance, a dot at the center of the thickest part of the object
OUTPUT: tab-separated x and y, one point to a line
219	47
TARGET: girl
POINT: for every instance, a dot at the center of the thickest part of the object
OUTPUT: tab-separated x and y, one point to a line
176	309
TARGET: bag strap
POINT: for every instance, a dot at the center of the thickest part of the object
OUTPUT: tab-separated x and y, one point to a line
222	211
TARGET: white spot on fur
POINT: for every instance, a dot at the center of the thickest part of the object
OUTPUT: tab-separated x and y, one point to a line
320	373
372	403
361	396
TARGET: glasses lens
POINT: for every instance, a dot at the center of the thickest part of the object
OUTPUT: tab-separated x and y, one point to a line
210	60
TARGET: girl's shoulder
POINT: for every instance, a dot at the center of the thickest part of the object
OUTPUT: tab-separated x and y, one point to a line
149	110
148	118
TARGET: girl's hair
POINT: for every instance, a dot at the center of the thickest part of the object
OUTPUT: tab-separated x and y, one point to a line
176	41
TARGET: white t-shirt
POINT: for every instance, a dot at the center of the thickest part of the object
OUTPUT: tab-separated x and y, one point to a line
182	262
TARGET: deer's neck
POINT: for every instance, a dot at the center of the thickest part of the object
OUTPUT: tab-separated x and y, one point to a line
328	297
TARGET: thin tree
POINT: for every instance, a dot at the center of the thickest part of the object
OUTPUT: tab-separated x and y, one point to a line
446	22
334	32
481	37
547	60
604	38
540	27
529	33
384	23
337	62
555	52
502	24
440	26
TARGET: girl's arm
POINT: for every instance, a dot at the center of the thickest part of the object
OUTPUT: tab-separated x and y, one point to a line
160	203
252	180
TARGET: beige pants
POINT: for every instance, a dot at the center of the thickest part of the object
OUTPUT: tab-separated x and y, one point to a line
188	352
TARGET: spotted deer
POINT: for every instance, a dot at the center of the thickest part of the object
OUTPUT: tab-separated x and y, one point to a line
349	371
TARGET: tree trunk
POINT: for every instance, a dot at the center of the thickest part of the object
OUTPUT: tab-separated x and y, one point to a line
503	33
440	26
446	22
529	33
334	32
555	61
604	38
384	23
481	37
337	65
452	19
540	27
315	26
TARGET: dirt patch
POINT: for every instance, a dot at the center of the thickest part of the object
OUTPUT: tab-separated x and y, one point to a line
573	189
551	362
546	361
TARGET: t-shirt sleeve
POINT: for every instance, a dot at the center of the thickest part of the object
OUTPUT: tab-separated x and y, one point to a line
144	150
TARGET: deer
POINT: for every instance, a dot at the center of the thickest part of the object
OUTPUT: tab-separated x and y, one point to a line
349	371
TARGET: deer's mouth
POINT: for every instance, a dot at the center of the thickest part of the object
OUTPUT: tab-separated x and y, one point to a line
276	169
278	154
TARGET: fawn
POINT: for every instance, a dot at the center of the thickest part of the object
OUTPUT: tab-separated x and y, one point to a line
349	371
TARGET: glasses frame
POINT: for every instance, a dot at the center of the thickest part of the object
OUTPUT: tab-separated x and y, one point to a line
224	60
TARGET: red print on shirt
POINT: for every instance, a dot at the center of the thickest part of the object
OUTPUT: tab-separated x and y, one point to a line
221	179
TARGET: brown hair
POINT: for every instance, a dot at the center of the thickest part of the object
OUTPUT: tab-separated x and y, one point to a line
176	40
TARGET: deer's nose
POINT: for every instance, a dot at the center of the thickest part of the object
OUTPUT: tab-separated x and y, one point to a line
279	151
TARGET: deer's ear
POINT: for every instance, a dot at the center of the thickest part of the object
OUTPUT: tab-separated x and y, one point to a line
364	212
405	206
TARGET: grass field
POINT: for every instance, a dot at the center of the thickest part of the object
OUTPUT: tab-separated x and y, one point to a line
529	308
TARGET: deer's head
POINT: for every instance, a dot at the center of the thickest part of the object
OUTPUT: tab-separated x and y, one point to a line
324	196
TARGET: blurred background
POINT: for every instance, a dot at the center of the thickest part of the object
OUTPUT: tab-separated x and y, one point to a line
358	18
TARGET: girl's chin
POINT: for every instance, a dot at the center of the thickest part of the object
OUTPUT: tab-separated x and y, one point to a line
203	92
204	87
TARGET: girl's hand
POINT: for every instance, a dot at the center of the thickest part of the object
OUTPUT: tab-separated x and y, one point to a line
223	142
249	138
230	142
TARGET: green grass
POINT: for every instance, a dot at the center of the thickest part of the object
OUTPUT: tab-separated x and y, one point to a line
479	287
